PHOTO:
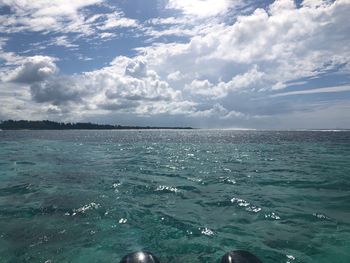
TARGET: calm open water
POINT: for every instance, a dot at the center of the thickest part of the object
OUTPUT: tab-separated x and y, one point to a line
187	196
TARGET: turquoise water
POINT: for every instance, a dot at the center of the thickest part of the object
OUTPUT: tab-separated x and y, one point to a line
187	196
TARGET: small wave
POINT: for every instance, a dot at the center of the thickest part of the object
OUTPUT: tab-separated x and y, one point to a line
273	216
240	202
227	180
122	221
197	180
321	216
164	188
115	185
290	258
248	206
171	167
41	240
83	209
206	231
24	163
189	232
254	209
17	189
188	188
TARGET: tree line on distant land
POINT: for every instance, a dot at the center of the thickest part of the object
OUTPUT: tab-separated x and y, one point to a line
51	125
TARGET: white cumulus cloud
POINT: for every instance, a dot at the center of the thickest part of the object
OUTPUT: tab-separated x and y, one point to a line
33	69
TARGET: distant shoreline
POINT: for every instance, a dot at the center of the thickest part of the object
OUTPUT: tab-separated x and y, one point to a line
22	125
51	125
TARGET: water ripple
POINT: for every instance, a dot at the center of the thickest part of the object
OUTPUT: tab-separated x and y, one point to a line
187	196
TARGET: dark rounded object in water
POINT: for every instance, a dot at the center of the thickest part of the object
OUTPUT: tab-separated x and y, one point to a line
140	257
239	256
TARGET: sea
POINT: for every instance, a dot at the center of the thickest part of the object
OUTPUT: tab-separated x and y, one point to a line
184	195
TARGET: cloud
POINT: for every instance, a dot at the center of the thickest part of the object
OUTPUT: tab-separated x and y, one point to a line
314	91
129	82
175	76
201	8
183	26
63	17
107	35
9	58
127	85
237	83
224	69
217	111
319	116
63	41
33	69
284	42
44	8
57	91
115	20
42	15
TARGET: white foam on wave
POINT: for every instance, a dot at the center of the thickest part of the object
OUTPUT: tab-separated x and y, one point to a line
193	179
207	232
273	215
254	209
115	185
320	216
290	258
167	188
83	209
240	202
243	203
122	221
227	180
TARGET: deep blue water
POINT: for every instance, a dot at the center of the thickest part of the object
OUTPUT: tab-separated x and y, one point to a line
187	196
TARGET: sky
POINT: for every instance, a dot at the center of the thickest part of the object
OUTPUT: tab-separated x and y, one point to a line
203	63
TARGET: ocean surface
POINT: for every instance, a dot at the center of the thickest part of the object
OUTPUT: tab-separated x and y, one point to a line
187	196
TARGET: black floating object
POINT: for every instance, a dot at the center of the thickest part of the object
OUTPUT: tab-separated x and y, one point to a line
240	256
140	257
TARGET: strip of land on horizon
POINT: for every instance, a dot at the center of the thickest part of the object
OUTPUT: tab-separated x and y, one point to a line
51	125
